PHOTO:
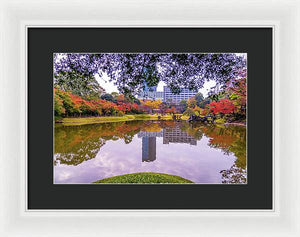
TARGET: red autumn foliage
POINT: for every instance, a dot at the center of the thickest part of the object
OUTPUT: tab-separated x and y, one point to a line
171	110
75	105
224	106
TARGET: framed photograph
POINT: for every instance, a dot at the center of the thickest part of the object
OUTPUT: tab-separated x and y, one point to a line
150	118
140	121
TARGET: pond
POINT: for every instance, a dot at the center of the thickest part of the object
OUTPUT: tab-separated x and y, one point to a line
204	154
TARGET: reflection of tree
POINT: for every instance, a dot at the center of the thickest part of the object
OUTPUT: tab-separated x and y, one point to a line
230	139
192	130
153	127
234	175
156	126
76	144
83	151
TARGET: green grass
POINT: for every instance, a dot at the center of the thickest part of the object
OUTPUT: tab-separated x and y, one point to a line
144	178
109	119
91	120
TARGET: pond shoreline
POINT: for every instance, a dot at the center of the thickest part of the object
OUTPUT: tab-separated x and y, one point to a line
236	123
76	121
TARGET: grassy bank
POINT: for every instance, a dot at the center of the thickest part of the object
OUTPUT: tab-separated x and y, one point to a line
144	178
93	120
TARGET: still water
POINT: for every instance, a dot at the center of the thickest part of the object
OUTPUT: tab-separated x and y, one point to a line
208	154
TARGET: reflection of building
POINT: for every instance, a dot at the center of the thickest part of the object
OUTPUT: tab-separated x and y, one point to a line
148	149
150	134
170	135
184	95
176	135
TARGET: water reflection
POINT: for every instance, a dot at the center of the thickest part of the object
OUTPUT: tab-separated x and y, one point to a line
170	135
149	149
177	135
160	146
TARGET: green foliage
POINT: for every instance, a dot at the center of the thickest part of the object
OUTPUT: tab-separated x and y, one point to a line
115	94
234	96
137	101
108	97
218	96
204	102
188	112
192	102
59	109
68	104
78	84
199	98
145	177
151	76
182	106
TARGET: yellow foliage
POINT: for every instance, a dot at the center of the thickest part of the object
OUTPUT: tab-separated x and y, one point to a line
153	104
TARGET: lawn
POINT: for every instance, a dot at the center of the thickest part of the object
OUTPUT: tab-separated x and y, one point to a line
144	178
92	120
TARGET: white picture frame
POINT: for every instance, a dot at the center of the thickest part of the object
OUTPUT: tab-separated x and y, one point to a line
282	15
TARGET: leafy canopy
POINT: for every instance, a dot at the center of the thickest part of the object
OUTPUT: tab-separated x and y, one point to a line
131	72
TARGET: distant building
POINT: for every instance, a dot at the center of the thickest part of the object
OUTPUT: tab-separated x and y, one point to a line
176	98
150	93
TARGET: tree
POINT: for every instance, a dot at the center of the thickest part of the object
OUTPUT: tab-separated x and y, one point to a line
204	102
197	110
59	109
108	97
199	98
115	94
79	84
163	107
237	88
152	104
120	98
136	101
171	110
182	106
224	106
130	72
189	112
68	103
192	103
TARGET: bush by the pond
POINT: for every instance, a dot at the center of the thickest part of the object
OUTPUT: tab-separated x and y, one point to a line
220	120
144	178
